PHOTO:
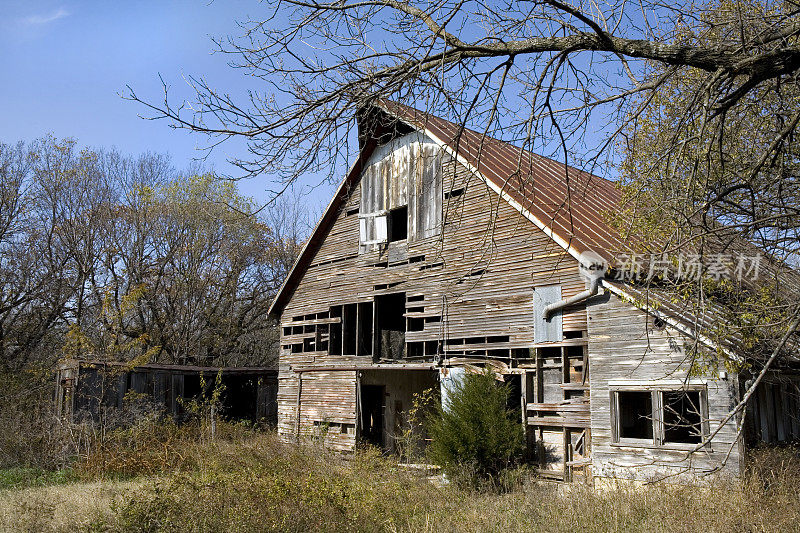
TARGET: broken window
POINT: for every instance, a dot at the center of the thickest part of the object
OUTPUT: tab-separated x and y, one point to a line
350	330
364	329
635	415
661	416
335	335
682	418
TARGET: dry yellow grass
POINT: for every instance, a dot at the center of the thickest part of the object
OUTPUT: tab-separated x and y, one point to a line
256	483
68	507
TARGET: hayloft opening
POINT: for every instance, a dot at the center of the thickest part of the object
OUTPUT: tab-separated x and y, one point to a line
398	224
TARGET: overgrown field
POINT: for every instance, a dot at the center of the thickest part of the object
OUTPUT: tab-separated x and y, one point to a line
176	480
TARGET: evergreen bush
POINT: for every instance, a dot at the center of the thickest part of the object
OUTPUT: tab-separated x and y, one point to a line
474	435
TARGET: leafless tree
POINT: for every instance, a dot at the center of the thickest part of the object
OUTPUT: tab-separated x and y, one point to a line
537	73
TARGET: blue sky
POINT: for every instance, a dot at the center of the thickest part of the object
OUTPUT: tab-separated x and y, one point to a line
66	62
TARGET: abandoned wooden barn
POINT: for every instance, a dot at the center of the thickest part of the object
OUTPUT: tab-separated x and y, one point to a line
85	389
443	251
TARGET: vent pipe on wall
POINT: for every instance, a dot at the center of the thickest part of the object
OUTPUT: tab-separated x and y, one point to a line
593	268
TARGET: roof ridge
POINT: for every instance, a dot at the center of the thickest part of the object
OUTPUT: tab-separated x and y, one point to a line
496	139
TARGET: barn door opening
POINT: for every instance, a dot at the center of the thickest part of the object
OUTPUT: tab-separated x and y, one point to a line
372	408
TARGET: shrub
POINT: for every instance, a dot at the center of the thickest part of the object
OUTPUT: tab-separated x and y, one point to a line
475	436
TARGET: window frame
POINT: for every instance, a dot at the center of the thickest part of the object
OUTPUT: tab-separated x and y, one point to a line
616	423
657	391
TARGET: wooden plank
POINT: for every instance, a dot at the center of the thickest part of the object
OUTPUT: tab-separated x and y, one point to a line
331	320
560	422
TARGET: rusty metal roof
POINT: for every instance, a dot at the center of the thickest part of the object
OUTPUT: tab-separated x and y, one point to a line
567	203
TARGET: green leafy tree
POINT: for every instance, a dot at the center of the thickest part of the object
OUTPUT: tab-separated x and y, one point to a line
474	432
710	166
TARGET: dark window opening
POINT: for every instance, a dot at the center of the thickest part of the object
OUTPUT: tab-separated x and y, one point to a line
575	352
550	352
573	334
432	348
391	326
416	324
398	224
682	418
309	345
455	193
415	349
349	329
635	412
521	353
364	329
354	334
322	337
335	335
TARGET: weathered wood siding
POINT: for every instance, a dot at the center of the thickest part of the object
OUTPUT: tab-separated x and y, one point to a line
472	280
327	404
625	348
404	172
